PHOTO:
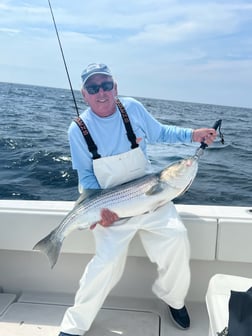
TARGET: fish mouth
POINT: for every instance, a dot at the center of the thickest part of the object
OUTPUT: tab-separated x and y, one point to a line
189	162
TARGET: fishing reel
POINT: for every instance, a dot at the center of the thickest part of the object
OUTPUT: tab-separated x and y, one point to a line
203	145
216	126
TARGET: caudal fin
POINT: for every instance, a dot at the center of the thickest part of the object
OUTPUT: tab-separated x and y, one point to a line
51	246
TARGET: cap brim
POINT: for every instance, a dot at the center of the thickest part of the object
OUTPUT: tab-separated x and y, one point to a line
96	73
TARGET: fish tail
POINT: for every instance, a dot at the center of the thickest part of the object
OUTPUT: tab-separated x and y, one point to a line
51	246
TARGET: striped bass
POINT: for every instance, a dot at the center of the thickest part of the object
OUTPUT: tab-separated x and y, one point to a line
133	198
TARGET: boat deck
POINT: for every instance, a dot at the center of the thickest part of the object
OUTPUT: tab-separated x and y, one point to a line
40	314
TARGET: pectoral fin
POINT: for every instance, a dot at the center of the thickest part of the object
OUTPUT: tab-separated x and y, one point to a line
156	189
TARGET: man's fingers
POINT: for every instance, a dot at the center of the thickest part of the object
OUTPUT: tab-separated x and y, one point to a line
107	218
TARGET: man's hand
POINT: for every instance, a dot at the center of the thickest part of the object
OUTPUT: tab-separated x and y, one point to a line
206	135
107	218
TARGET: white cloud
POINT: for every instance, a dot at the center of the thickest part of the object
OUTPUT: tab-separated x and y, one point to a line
183	45
9	31
164	33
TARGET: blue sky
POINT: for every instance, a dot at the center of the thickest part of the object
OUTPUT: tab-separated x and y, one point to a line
196	51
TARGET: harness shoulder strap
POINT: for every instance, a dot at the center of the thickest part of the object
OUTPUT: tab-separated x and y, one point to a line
130	134
90	142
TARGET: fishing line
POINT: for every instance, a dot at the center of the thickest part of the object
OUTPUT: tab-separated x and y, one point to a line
62	53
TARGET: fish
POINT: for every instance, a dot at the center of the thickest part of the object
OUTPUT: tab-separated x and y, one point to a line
137	197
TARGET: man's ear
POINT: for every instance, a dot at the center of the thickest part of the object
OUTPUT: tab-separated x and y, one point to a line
115	88
83	92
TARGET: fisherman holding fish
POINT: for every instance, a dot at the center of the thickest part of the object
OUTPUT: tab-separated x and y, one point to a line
108	148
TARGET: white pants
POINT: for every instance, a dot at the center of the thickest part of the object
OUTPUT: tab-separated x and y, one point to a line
164	238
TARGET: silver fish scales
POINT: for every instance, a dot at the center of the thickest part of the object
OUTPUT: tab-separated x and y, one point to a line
134	198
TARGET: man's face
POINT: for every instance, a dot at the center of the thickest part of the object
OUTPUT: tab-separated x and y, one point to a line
100	99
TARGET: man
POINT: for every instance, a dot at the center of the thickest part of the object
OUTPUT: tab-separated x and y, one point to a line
108	147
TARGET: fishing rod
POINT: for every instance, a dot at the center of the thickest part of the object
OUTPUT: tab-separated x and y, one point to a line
62	53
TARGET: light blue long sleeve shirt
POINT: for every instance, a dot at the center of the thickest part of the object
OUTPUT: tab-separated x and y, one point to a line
110	137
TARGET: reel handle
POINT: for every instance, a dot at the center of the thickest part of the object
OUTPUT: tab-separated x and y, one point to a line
216	125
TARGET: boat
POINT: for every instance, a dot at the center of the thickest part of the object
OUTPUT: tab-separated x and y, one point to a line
34	297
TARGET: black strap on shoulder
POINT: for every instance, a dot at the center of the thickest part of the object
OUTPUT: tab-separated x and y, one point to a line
130	134
90	142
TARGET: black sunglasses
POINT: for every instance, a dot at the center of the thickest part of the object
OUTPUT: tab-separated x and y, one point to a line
94	88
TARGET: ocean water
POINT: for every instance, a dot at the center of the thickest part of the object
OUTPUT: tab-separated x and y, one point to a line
35	162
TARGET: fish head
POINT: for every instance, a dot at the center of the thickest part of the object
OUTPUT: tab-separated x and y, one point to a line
180	174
